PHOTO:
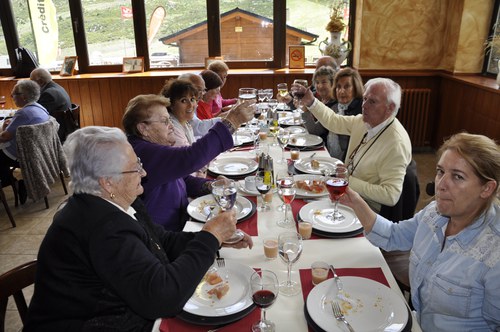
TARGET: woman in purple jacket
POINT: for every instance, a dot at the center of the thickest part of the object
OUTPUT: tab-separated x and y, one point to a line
169	184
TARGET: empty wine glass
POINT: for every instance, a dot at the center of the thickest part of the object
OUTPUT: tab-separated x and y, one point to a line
336	184
286	191
261	95
283	138
289	248
225	192
297	94
263	183
269	93
265	287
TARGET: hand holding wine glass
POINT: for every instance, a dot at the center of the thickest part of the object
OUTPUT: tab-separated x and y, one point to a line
265	287
289	249
299	94
2	102
225	192
336	185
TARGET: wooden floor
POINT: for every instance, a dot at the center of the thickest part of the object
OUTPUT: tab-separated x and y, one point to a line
20	244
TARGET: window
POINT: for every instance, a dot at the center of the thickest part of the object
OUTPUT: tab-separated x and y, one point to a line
177	33
4	57
45	29
109	30
492	57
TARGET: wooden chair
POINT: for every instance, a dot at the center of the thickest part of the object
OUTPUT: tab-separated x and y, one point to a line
6	205
12	283
41	158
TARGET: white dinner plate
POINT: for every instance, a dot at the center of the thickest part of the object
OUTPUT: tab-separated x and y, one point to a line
304	140
316	213
233	166
290	121
199	208
242	137
297	130
374	307
308	179
325	163
237	299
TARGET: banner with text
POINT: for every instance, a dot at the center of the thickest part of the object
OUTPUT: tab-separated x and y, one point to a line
44	23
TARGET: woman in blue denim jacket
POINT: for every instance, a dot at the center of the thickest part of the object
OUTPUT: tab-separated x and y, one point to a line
454	241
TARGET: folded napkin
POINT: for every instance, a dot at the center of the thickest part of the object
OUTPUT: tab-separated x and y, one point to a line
249	225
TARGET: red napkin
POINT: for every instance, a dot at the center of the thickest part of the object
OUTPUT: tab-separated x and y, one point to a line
249	226
373	273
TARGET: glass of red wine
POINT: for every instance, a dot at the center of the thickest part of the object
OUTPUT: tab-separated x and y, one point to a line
265	287
297	94
336	184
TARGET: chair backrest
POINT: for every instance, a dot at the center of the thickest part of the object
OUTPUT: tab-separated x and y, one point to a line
12	283
75	114
405	207
40	156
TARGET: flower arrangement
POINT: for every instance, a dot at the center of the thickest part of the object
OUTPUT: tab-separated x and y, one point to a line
493	42
336	23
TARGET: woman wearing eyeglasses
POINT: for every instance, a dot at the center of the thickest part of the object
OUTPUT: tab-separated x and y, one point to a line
103	265
169	184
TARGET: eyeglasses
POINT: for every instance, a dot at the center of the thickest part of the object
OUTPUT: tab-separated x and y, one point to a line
165	121
139	169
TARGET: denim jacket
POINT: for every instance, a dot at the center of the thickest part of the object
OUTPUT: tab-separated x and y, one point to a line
456	288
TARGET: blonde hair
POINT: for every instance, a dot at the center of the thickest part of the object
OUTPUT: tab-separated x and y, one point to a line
218	66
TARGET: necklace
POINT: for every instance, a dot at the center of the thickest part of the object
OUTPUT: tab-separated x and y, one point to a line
351	166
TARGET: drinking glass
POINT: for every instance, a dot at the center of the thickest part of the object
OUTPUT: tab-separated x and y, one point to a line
225	192
282	92
299	95
272	103
283	138
247	94
263	183
265	288
2	102
289	249
336	184
261	95
286	191
269	93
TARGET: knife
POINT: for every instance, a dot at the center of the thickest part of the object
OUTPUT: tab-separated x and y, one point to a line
338	282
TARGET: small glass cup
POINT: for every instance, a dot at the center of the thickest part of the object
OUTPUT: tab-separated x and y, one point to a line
295	154
270	245
305	229
319	272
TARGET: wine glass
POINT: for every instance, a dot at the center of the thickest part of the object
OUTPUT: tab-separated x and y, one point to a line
247	94
224	192
265	287
283	138
286	191
2	102
282	92
297	94
269	93
261	95
336	184
263	183
289	248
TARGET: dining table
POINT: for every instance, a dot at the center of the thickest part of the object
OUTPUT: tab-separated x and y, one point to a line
353	257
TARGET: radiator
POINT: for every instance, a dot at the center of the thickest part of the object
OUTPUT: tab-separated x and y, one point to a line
414	115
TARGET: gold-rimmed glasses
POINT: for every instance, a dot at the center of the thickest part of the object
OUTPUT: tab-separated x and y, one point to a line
139	169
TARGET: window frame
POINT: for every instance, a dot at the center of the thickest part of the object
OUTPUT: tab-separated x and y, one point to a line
493	22
141	44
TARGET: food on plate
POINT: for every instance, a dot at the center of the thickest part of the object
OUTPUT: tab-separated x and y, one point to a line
293	140
212	277
314	164
313	186
219	290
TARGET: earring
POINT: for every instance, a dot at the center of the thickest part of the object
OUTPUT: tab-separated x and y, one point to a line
112	196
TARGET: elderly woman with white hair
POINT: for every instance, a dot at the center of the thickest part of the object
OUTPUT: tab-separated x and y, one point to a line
25	94
103	265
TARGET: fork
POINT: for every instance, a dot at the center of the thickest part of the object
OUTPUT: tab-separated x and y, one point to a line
220	262
339	315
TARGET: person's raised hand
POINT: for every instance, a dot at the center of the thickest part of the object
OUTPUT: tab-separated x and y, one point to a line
222	226
241	113
308	98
